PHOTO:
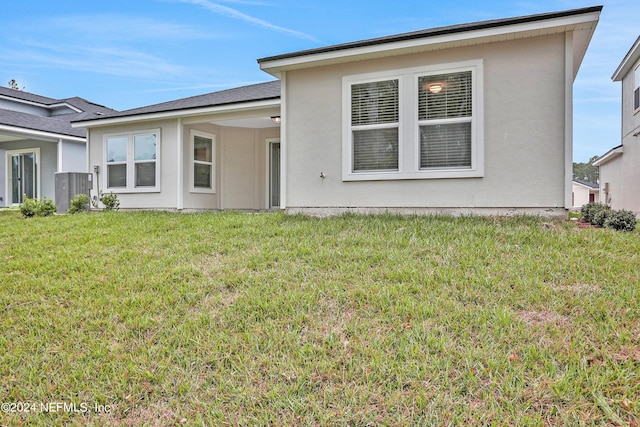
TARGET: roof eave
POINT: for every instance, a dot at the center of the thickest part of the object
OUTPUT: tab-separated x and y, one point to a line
628	62
39	134
609	155
378	48
181	113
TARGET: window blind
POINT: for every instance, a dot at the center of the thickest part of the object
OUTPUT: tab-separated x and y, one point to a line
374	103
375	149
445	145
444	96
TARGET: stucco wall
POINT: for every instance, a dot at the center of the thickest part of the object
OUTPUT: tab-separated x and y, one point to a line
524	148
630	121
240	168
622	173
74	157
167	197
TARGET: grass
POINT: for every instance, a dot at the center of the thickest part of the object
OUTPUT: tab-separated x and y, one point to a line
240	319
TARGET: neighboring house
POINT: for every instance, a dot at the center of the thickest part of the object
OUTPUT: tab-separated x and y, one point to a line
620	166
471	118
584	192
37	141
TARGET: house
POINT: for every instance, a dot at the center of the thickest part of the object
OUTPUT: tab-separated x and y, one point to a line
37	141
470	118
584	192
620	166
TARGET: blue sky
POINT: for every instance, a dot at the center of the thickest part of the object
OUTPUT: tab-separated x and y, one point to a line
130	53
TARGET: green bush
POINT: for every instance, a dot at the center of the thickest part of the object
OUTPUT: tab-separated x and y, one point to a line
600	217
622	220
110	201
590	210
35	207
79	203
585	211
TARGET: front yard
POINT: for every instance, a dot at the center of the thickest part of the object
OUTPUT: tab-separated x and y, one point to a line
143	318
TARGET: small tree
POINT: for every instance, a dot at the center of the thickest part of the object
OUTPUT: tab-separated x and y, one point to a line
13	84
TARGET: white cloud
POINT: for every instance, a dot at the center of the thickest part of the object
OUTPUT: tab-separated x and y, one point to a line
235	14
104	60
115	27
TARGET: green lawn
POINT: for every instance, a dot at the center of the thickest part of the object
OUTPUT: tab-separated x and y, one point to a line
267	319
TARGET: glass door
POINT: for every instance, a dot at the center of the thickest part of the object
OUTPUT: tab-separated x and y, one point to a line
24	176
274	174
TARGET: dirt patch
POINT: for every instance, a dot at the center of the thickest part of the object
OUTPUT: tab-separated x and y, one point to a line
534	318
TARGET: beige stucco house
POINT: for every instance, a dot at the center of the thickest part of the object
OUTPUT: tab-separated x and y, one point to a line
620	166
470	118
584	192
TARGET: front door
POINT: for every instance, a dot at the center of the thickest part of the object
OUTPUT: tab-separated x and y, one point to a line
23	176
274	174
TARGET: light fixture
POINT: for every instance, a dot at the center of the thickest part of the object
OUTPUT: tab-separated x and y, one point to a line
436	87
276	119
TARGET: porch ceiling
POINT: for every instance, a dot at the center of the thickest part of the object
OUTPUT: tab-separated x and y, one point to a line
249	122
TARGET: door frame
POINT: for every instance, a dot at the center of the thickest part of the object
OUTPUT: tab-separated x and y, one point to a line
9	175
269	144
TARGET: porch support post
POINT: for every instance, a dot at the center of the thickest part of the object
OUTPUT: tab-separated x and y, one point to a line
179	178
283	141
59	165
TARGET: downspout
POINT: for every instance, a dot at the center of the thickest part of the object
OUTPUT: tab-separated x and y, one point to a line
568	119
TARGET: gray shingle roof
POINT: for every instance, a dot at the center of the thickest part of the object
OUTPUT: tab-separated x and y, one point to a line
587	183
433	32
255	92
59	124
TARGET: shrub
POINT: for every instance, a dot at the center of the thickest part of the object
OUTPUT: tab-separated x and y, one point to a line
590	210
35	207
29	207
600	217
110	201
622	220
79	203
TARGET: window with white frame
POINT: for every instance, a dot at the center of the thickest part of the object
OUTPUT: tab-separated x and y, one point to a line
416	123
636	89
374	125
132	161
203	147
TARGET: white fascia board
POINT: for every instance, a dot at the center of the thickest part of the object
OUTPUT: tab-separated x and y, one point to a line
248	106
579	184
610	155
628	62
36	134
560	25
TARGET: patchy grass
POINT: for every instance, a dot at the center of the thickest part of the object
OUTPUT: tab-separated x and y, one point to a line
240	319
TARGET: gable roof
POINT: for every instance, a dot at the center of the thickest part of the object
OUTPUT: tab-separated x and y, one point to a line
22	122
609	155
579	20
584	183
269	91
628	62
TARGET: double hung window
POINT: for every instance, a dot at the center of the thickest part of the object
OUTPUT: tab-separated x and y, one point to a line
203	146
414	124
132	161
